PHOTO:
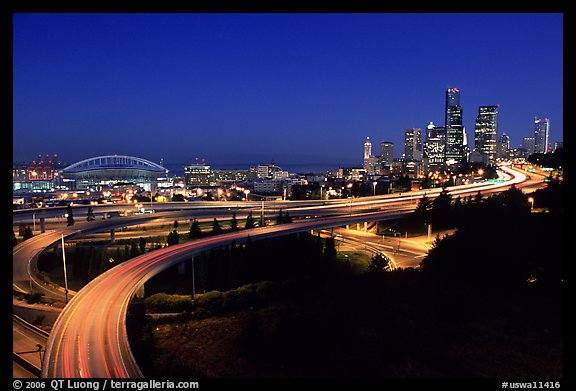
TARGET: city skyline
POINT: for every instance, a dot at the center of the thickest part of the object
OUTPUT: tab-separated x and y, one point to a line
251	88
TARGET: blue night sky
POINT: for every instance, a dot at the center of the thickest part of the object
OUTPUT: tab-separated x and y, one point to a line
241	89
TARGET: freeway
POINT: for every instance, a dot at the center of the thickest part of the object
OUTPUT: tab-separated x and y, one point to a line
358	210
89	337
25	254
26	339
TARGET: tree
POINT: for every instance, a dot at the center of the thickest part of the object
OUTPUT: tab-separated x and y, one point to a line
178	198
90	216
424	205
175	225
195	231
280	218
250	221
216	228
234	223
69	217
478	198
133	248
379	263
330	251
170	239
142	245
175	237
262	221
27	233
442	203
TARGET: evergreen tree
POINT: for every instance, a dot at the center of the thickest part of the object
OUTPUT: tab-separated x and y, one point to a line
27	233
90	216
170	239
330	251
175	237
195	231
133	249
379	263
424	205
280	218
478	198
262	222
175	225
70	217
250	221
216	228
443	202
234	223
142	245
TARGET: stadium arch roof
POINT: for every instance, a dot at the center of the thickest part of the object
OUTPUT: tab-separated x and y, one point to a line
113	162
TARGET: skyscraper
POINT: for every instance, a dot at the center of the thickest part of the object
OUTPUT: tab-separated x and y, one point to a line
453	125
370	162
528	145
367	148
413	144
386	153
434	146
486	131
541	135
503	147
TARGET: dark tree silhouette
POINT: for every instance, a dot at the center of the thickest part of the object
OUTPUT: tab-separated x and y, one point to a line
70	217
195	231
250	221
234	223
90	216
216	228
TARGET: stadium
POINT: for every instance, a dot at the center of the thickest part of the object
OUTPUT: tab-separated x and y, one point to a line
112	169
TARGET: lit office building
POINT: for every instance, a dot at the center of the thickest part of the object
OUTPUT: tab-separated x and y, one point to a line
386	153
528	145
541	135
485	136
454	152
413	144
434	146
503	147
197	175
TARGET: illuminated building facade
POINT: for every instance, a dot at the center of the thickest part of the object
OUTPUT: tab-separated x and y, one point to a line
541	135
413	144
454	151
486	131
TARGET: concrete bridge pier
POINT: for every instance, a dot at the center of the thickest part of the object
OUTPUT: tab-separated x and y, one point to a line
42	225
112	235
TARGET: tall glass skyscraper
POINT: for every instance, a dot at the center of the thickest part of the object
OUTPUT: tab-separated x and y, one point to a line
434	145
541	135
486	131
387	152
453	125
413	144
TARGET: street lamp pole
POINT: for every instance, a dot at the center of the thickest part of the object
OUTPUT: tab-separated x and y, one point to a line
193	281
374	183
64	265
531	201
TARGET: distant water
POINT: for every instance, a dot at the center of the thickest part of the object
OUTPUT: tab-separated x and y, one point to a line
298	168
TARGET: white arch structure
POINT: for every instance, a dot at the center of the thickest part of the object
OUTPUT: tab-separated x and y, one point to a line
113	161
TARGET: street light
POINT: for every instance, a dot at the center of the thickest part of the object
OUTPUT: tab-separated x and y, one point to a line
374	183
531	201
64	264
246	192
